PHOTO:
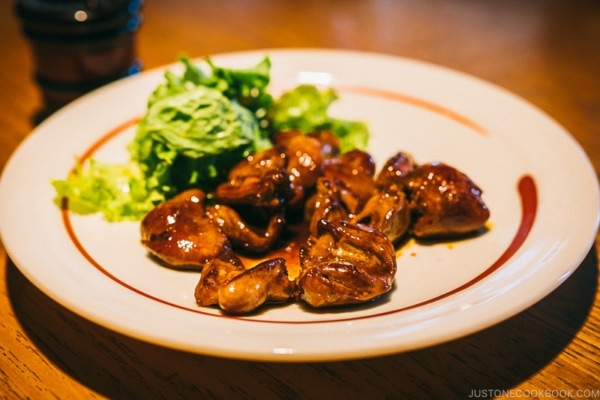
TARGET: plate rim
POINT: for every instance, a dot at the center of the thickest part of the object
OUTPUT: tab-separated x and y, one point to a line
297	356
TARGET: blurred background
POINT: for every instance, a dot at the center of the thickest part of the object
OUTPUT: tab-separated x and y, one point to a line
528	47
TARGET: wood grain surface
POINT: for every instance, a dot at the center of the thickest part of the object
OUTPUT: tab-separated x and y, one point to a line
546	51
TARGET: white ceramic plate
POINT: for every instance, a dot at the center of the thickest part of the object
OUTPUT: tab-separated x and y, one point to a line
538	183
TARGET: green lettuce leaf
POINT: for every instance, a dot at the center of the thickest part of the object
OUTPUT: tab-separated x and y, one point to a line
306	108
193	138
117	191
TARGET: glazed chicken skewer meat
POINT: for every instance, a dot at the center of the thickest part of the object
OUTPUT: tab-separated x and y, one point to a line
353	220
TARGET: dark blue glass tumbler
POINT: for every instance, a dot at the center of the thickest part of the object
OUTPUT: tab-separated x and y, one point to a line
79	45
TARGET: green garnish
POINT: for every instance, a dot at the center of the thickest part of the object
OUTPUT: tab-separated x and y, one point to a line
196	127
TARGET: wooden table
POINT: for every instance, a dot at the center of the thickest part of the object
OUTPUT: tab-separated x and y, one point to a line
547	51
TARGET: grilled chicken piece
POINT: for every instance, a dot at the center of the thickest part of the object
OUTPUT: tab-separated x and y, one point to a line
305	156
329	141
356	169
444	202
236	290
281	175
332	201
179	233
388	211
241	234
260	180
216	273
345	264
394	170
267	282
